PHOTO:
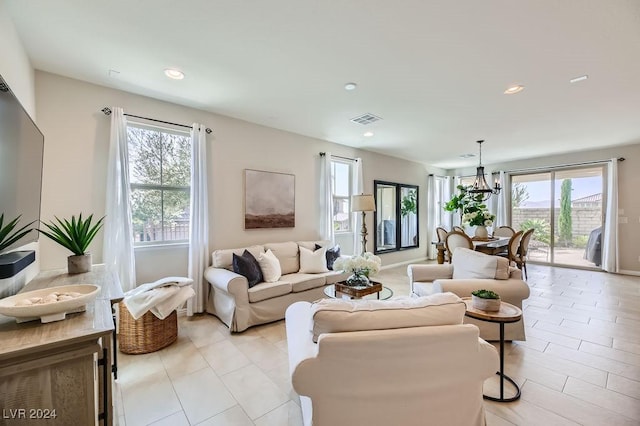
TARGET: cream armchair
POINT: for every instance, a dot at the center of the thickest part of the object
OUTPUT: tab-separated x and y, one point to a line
380	363
505	280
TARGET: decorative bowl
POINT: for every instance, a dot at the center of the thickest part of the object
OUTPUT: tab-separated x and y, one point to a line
48	311
489	305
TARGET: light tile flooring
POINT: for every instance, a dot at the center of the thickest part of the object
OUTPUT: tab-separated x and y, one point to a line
580	364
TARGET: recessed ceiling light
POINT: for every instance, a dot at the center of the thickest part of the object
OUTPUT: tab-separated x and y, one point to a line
514	89
577	79
367	134
174	73
350	86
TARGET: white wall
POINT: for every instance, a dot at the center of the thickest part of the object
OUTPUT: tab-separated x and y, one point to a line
77	136
16	70
628	199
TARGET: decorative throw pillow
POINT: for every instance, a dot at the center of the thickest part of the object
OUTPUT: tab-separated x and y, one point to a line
313	262
247	266
270	266
333	253
470	264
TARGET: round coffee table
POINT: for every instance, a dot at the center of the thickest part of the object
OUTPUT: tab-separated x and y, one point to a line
508	313
383	294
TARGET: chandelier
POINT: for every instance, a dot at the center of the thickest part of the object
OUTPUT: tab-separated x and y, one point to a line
480	186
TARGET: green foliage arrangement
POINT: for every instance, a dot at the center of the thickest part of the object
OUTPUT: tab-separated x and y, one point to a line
75	235
409	204
472	210
485	294
7	234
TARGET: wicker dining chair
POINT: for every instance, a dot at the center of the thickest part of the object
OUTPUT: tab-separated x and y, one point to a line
504	231
457	239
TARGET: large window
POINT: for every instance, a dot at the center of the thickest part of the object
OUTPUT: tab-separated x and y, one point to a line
341	190
160	175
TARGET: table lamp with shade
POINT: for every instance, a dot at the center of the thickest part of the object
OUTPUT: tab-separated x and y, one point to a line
363	203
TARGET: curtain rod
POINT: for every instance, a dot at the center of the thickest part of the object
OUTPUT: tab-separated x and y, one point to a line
322	154
585	163
107	111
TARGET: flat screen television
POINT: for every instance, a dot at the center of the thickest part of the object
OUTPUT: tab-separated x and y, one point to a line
21	153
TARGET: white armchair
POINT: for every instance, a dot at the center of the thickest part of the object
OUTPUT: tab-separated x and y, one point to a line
403	375
426	279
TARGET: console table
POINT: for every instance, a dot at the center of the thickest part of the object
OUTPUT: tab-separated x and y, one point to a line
60	372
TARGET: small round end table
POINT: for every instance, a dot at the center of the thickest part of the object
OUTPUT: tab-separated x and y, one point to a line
508	313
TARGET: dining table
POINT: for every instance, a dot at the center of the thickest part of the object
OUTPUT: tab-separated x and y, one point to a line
493	246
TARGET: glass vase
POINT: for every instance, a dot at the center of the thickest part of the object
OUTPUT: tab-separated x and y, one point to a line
358	279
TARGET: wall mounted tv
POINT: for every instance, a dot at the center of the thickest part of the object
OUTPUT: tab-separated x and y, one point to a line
21	152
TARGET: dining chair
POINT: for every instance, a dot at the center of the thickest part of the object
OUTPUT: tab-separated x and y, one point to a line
458	229
512	249
503	231
457	239
441	233
523	250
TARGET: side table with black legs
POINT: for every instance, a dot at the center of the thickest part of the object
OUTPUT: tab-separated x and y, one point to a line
508	313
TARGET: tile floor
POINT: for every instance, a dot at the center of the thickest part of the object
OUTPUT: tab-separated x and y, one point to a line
580	364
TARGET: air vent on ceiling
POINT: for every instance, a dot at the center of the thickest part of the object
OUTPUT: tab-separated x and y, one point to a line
366	119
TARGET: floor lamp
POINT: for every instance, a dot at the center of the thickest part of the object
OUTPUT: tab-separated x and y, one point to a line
363	203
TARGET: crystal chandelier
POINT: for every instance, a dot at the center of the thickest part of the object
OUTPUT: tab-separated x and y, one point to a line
480	183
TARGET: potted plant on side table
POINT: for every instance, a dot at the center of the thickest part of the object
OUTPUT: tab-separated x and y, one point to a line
75	235
485	300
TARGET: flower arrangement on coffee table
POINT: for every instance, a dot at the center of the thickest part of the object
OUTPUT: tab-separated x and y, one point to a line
361	268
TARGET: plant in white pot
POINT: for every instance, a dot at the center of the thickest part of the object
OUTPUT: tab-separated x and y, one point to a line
485	300
75	235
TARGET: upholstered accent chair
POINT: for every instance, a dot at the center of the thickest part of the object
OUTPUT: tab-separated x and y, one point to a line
469	271
409	362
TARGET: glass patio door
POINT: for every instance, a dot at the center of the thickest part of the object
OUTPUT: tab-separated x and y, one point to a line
565	207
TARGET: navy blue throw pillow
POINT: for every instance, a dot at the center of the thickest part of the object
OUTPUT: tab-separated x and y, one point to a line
247	266
332	254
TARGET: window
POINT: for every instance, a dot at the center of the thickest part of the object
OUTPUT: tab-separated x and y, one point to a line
160	176
341	190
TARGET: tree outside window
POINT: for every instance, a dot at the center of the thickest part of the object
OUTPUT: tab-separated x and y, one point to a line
160	175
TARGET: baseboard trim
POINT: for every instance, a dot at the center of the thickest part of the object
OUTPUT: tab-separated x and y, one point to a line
627	272
407	262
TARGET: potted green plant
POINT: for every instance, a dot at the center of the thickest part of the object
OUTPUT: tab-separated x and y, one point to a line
8	233
472	210
75	235
485	300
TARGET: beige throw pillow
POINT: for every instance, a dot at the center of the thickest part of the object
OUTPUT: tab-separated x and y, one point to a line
313	262
470	264
270	266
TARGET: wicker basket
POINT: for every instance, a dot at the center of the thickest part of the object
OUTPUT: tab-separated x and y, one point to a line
146	334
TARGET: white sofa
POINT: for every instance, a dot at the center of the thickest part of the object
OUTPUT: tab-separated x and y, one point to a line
426	279
241	307
404	362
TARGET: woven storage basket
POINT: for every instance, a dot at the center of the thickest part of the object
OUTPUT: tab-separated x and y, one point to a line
146	334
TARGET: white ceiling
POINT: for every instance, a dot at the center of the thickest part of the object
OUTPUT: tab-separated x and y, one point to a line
435	71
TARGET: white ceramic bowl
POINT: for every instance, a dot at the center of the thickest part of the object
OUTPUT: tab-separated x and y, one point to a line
53	311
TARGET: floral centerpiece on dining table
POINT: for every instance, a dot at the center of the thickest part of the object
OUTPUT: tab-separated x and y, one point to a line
361	268
472	210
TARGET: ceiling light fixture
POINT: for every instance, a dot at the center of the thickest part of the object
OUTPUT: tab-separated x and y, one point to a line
350	86
577	79
480	186
367	134
514	89
174	73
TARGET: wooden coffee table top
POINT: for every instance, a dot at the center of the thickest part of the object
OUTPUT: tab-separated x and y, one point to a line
507	313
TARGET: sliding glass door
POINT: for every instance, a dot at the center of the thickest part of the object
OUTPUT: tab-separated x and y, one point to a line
565	207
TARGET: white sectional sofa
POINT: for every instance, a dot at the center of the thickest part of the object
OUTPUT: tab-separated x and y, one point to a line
241	307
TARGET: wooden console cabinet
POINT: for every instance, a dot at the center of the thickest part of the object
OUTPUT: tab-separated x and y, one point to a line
60	373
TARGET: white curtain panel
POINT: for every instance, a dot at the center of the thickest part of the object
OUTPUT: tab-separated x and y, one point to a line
610	261
358	188
502	202
447	217
326	200
432	206
199	222
118	230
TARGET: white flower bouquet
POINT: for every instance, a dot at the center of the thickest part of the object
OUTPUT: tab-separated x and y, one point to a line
479	218
367	264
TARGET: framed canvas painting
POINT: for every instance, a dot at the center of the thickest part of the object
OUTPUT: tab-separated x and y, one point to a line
269	200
